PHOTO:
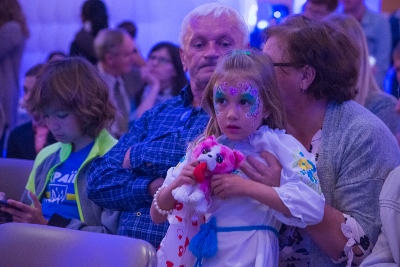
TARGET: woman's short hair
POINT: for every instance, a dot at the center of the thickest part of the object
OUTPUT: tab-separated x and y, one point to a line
331	53
75	85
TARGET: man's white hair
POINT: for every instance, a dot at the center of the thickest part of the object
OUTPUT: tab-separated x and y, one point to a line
215	9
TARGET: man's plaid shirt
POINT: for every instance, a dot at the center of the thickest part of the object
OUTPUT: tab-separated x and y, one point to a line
158	140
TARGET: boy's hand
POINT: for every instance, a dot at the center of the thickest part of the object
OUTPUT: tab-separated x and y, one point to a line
23	213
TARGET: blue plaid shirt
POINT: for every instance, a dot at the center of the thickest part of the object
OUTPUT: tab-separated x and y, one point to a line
158	140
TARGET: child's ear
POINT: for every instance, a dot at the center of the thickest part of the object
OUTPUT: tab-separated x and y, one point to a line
266	114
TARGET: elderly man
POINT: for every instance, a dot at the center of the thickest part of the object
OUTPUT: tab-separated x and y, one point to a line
128	176
116	52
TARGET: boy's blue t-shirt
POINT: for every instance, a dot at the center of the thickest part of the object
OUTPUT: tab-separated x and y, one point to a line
59	195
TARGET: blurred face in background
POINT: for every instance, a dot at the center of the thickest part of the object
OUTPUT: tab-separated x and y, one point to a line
351	5
161	66
314	11
122	59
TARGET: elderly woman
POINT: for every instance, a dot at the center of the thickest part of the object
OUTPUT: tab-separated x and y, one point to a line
317	70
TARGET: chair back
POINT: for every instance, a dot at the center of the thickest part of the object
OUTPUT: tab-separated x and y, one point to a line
41	245
14	174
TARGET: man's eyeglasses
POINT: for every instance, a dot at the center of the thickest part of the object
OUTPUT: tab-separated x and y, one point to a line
161	60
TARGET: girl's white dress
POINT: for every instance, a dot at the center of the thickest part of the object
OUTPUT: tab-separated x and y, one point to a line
299	190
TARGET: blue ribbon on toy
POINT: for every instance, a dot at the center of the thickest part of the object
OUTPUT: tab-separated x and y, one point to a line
205	245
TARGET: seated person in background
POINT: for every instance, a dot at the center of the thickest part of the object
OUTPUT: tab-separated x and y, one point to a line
377	30
26	140
127	177
133	80
116	50
387	249
368	92
131	28
319	9
163	74
75	103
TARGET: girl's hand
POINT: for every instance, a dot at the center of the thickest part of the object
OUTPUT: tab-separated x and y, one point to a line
186	176
268	174
228	185
23	213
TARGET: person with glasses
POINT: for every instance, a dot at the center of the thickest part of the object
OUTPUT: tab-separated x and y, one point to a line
128	176
354	149
163	74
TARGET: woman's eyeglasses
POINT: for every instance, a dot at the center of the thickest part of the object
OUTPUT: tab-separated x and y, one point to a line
161	60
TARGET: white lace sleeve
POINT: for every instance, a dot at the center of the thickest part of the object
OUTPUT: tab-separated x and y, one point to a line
355	235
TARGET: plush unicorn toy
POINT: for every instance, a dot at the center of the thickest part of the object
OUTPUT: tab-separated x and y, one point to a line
214	158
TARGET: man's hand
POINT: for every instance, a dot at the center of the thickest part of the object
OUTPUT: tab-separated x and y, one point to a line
258	171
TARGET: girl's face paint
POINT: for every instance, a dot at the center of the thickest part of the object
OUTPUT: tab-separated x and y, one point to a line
238	107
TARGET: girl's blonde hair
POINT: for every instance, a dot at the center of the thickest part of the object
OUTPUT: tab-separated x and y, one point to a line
253	66
75	85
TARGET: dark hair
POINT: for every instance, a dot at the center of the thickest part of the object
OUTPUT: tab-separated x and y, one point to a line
331	53
180	80
56	53
74	84
330	4
130	27
95	11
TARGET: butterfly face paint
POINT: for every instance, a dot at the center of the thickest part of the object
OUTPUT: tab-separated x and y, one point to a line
246	91
238	107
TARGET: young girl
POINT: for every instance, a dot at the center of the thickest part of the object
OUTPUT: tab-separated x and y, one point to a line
246	112
76	107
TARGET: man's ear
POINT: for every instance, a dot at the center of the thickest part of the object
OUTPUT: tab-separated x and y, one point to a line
183	59
308	77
